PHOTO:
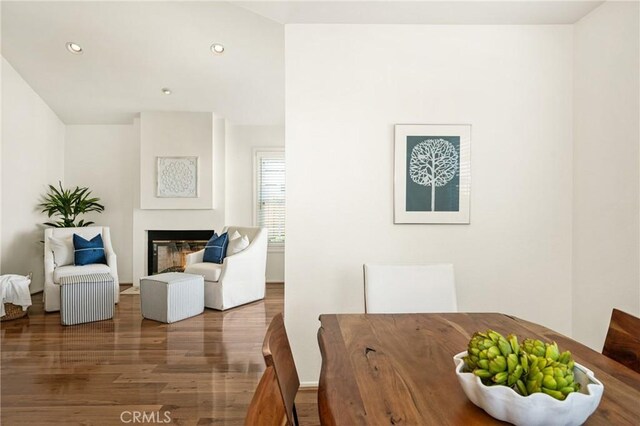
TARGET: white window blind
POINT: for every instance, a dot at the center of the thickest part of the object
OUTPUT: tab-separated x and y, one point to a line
270	194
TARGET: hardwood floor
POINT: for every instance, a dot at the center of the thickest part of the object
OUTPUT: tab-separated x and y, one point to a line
199	371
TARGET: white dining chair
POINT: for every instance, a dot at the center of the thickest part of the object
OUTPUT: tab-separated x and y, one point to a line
409	288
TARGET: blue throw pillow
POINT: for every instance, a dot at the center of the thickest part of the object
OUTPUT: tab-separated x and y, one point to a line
87	252
216	248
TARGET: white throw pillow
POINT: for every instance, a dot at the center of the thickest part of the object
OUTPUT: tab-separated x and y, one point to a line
237	245
62	249
234	236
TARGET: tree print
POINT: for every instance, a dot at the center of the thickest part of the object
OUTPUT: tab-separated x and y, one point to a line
433	163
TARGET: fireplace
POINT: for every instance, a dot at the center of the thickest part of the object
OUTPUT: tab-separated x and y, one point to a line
167	250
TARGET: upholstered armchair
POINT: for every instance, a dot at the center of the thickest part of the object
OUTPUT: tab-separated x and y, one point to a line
54	270
240	278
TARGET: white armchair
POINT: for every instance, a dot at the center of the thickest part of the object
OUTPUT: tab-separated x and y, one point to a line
241	277
53	272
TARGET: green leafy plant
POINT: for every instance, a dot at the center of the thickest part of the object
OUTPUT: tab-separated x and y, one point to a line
66	205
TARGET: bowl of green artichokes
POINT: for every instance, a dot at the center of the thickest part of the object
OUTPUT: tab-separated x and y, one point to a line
529	383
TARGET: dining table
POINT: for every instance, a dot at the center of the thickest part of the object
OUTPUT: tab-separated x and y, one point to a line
398	369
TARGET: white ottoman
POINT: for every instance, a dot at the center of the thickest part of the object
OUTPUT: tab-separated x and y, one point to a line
171	297
86	298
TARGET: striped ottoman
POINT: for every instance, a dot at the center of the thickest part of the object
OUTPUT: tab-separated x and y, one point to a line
86	298
172	296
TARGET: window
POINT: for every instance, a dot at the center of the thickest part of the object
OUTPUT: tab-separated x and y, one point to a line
269	197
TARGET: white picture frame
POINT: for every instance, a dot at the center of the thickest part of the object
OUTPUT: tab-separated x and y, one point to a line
432	173
177	177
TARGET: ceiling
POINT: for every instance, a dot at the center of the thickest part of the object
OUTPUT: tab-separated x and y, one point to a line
455	12
134	49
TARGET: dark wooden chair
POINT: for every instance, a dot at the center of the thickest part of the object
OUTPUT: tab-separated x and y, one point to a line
277	354
623	340
267	407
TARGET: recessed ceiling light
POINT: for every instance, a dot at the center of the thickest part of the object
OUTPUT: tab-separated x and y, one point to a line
74	48
217	48
166	90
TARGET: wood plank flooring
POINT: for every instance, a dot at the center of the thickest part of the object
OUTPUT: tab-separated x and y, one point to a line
199	371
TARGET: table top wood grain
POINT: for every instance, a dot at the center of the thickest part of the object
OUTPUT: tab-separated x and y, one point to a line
398	369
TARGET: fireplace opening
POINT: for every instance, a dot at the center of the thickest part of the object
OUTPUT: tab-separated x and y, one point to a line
167	250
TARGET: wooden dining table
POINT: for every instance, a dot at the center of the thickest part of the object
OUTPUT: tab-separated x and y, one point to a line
398	369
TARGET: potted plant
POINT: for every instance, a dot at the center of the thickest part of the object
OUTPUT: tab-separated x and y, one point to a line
66	205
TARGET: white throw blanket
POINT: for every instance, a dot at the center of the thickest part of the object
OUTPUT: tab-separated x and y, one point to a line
14	289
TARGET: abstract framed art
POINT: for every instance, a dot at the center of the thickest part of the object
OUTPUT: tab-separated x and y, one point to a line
432	174
177	177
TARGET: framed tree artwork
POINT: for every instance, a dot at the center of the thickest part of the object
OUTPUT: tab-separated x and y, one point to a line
432	179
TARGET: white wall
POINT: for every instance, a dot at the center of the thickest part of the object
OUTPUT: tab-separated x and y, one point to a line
347	85
32	157
240	144
178	134
1	155
606	149
104	158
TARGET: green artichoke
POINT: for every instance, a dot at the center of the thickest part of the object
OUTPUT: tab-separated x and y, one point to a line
493	358
554	378
533	347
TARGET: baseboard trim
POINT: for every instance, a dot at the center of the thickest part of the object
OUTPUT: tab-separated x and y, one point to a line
308	385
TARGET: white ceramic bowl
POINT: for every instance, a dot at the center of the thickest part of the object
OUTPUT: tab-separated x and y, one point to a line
503	403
